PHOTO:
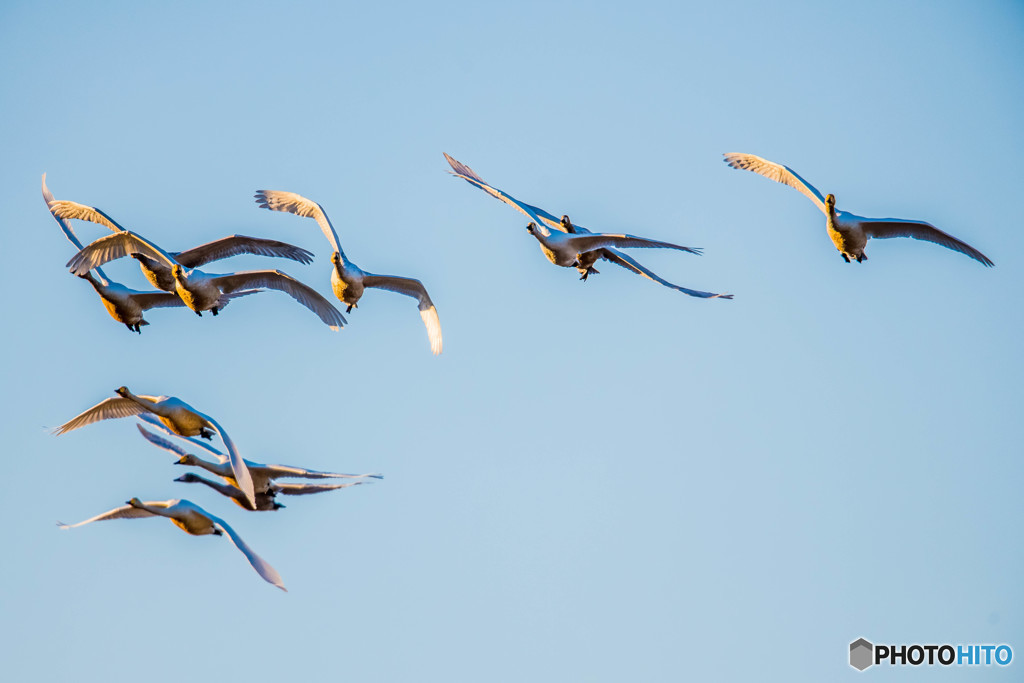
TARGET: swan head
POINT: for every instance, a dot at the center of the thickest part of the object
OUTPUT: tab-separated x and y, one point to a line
122	392
830	201
177	272
188	478
566	223
135	502
187	459
531	227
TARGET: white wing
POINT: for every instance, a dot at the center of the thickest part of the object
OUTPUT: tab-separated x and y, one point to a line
467	174
240	244
276	471
415	289
261	566
629	264
594	241
154	421
290	202
778	173
116	246
109	409
73	210
275	279
123	512
161	442
304	489
238	468
68	231
897	227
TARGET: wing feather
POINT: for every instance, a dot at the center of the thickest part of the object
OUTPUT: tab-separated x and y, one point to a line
69	210
109	409
628	263
240	244
896	227
778	173
594	241
123	512
275	279
414	288
116	246
290	202
262	567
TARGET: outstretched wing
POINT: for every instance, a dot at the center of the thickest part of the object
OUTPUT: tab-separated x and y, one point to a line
290	202
123	512
261	566
116	246
73	210
148	300
543	219
275	279
896	227
628	263
592	241
109	409
151	419
238	468
240	244
276	471
778	173
65	227
304	489
415	289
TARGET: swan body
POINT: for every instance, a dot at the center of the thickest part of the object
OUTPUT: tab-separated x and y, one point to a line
191	519
849	232
158	273
544	223
348	281
178	416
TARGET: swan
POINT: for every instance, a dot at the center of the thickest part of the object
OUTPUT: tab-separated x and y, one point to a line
191	519
347	280
202	291
176	415
125	305
263	476
850	233
156	271
584	261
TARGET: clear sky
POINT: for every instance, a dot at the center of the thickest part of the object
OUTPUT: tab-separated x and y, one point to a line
600	481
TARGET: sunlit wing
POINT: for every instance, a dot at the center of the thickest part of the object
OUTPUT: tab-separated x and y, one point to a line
415	289
304	489
261	566
593	241
276	471
74	211
123	512
151	419
238	467
116	246
778	173
895	227
532	212
275	279
240	244
290	202
108	409
68	231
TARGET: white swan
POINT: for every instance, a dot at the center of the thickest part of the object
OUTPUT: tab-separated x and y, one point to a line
263	476
156	271
202	291
264	501
176	415
584	262
124	305
848	231
347	280
191	519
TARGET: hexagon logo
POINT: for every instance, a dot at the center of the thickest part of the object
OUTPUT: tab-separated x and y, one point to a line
862	654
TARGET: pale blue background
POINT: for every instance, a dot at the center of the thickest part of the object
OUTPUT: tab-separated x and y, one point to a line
605	481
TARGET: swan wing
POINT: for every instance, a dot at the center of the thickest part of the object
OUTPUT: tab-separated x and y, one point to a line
116	246
275	471
148	300
123	512
275	279
73	210
261	566
630	264
304	489
592	241
414	288
778	173
290	202
239	470
543	219
109	409
240	244
919	230
155	422
68	231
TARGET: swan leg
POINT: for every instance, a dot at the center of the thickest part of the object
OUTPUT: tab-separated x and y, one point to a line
199	313
860	258
214	310
130	328
349	309
845	257
206	433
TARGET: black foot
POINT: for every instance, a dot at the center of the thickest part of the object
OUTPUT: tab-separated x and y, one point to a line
845	257
138	328
860	258
199	313
349	309
130	328
206	434
214	310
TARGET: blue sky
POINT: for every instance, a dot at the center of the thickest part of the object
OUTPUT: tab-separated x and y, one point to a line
598	481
